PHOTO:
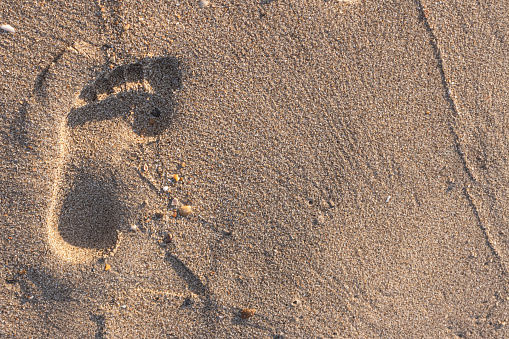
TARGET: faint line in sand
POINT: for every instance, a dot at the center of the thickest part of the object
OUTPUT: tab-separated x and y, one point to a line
491	244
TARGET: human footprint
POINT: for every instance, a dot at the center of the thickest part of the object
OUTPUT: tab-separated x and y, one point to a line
91	201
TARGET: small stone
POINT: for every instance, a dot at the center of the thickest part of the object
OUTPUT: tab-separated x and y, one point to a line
188	302
166	188
145	167
156	112
168	238
23	271
185	210
296	303
247	313
183	164
204	3
107	267
126	27
134	227
8	28
159	215
176	177
174	202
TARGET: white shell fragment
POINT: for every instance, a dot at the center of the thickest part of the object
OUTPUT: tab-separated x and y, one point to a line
166	188
8	28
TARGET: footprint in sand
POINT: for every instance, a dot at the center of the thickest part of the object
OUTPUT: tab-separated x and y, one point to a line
128	104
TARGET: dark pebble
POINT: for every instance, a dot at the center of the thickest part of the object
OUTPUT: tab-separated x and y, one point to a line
188	302
156	112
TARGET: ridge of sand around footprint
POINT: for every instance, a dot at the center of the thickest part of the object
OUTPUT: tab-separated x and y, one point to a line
56	91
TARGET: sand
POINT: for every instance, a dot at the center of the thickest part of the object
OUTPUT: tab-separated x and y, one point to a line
345	163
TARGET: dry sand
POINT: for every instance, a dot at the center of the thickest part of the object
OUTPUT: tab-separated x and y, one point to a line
346	163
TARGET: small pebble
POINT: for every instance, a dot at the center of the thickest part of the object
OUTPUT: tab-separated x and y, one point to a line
134	227
168	238
247	313
188	302
156	112
183	164
107	267
176	177
185	210
145	167
166	188
126	27
174	202
204	3
296	303
8	28
23	271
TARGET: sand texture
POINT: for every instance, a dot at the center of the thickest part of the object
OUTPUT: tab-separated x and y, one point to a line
267	169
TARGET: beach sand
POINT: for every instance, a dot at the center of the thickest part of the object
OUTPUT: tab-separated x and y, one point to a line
345	164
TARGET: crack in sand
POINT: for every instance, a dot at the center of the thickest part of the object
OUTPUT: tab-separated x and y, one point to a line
490	243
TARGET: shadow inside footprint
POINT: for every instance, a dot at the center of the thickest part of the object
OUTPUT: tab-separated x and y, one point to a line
144	90
91	214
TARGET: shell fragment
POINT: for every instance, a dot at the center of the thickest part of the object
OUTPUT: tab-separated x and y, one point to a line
8	28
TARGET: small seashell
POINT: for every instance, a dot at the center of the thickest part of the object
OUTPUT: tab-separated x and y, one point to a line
8	28
185	210
166	188
247	313
134	227
174	202
107	267
145	167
